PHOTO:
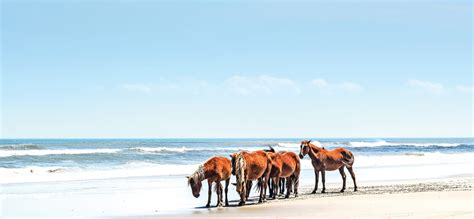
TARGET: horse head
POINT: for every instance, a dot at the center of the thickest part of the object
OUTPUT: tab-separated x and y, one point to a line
304	148
195	182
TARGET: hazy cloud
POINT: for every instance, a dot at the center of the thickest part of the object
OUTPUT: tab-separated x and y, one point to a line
465	88
137	87
428	86
265	84
347	86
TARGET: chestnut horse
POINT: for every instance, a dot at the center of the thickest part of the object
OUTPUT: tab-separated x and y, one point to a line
249	166
216	169
329	160
285	165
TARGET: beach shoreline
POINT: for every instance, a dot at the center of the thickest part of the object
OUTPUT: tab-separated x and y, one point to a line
442	197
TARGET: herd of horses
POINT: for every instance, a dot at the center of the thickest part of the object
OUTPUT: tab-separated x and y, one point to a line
271	170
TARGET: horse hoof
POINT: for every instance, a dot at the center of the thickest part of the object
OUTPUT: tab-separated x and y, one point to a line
227	204
313	192
323	191
342	190
241	203
355	190
208	205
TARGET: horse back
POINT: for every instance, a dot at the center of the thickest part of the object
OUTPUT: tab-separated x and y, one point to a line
258	163
219	168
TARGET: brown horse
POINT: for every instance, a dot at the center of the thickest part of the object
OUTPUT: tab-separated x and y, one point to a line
249	166
215	170
285	165
329	160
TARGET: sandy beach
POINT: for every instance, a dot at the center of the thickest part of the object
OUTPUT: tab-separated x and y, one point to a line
432	198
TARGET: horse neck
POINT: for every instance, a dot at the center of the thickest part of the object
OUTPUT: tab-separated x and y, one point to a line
312	152
200	173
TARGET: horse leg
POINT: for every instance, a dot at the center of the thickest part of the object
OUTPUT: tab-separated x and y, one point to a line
282	186
270	188
353	177
323	177
288	187
227	182
276	182
261	184
316	181
219	193
249	187
297	183
341	171
209	193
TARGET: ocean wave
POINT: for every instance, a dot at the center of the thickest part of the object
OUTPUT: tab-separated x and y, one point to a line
57	173
384	143
407	159
295	145
185	149
20	147
36	152
145	168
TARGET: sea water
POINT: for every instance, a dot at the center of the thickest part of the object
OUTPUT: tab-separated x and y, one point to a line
106	177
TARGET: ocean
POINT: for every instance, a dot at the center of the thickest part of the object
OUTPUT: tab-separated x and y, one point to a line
33	160
62	171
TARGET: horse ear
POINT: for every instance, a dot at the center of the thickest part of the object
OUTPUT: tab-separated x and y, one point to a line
230	156
309	141
187	177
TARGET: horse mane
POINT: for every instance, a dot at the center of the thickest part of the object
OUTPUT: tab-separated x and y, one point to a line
313	147
240	167
198	175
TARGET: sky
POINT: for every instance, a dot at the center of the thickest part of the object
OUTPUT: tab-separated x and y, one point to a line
236	69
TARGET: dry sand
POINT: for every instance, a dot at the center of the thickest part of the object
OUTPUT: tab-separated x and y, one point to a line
448	198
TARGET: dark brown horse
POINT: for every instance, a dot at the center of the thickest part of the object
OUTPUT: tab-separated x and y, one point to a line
216	169
285	165
249	166
328	160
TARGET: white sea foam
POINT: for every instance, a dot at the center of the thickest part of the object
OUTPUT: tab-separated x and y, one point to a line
384	143
409	159
57	173
8	153
136	169
296	145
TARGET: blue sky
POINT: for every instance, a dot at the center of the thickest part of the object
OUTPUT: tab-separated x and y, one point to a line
106	69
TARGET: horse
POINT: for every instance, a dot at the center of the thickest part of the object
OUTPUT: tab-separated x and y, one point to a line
215	169
249	166
328	160
285	165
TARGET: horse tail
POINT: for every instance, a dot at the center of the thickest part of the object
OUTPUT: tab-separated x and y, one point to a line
347	158
270	149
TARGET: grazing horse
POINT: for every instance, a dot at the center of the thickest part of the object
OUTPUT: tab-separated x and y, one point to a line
329	160
249	166
216	169
285	165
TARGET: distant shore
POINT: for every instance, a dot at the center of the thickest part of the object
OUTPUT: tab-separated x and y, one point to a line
448	197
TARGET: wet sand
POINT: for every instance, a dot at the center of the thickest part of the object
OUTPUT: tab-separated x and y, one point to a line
435	198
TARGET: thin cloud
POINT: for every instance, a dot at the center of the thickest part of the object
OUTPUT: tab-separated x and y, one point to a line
428	86
465	88
320	83
262	84
327	87
144	88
